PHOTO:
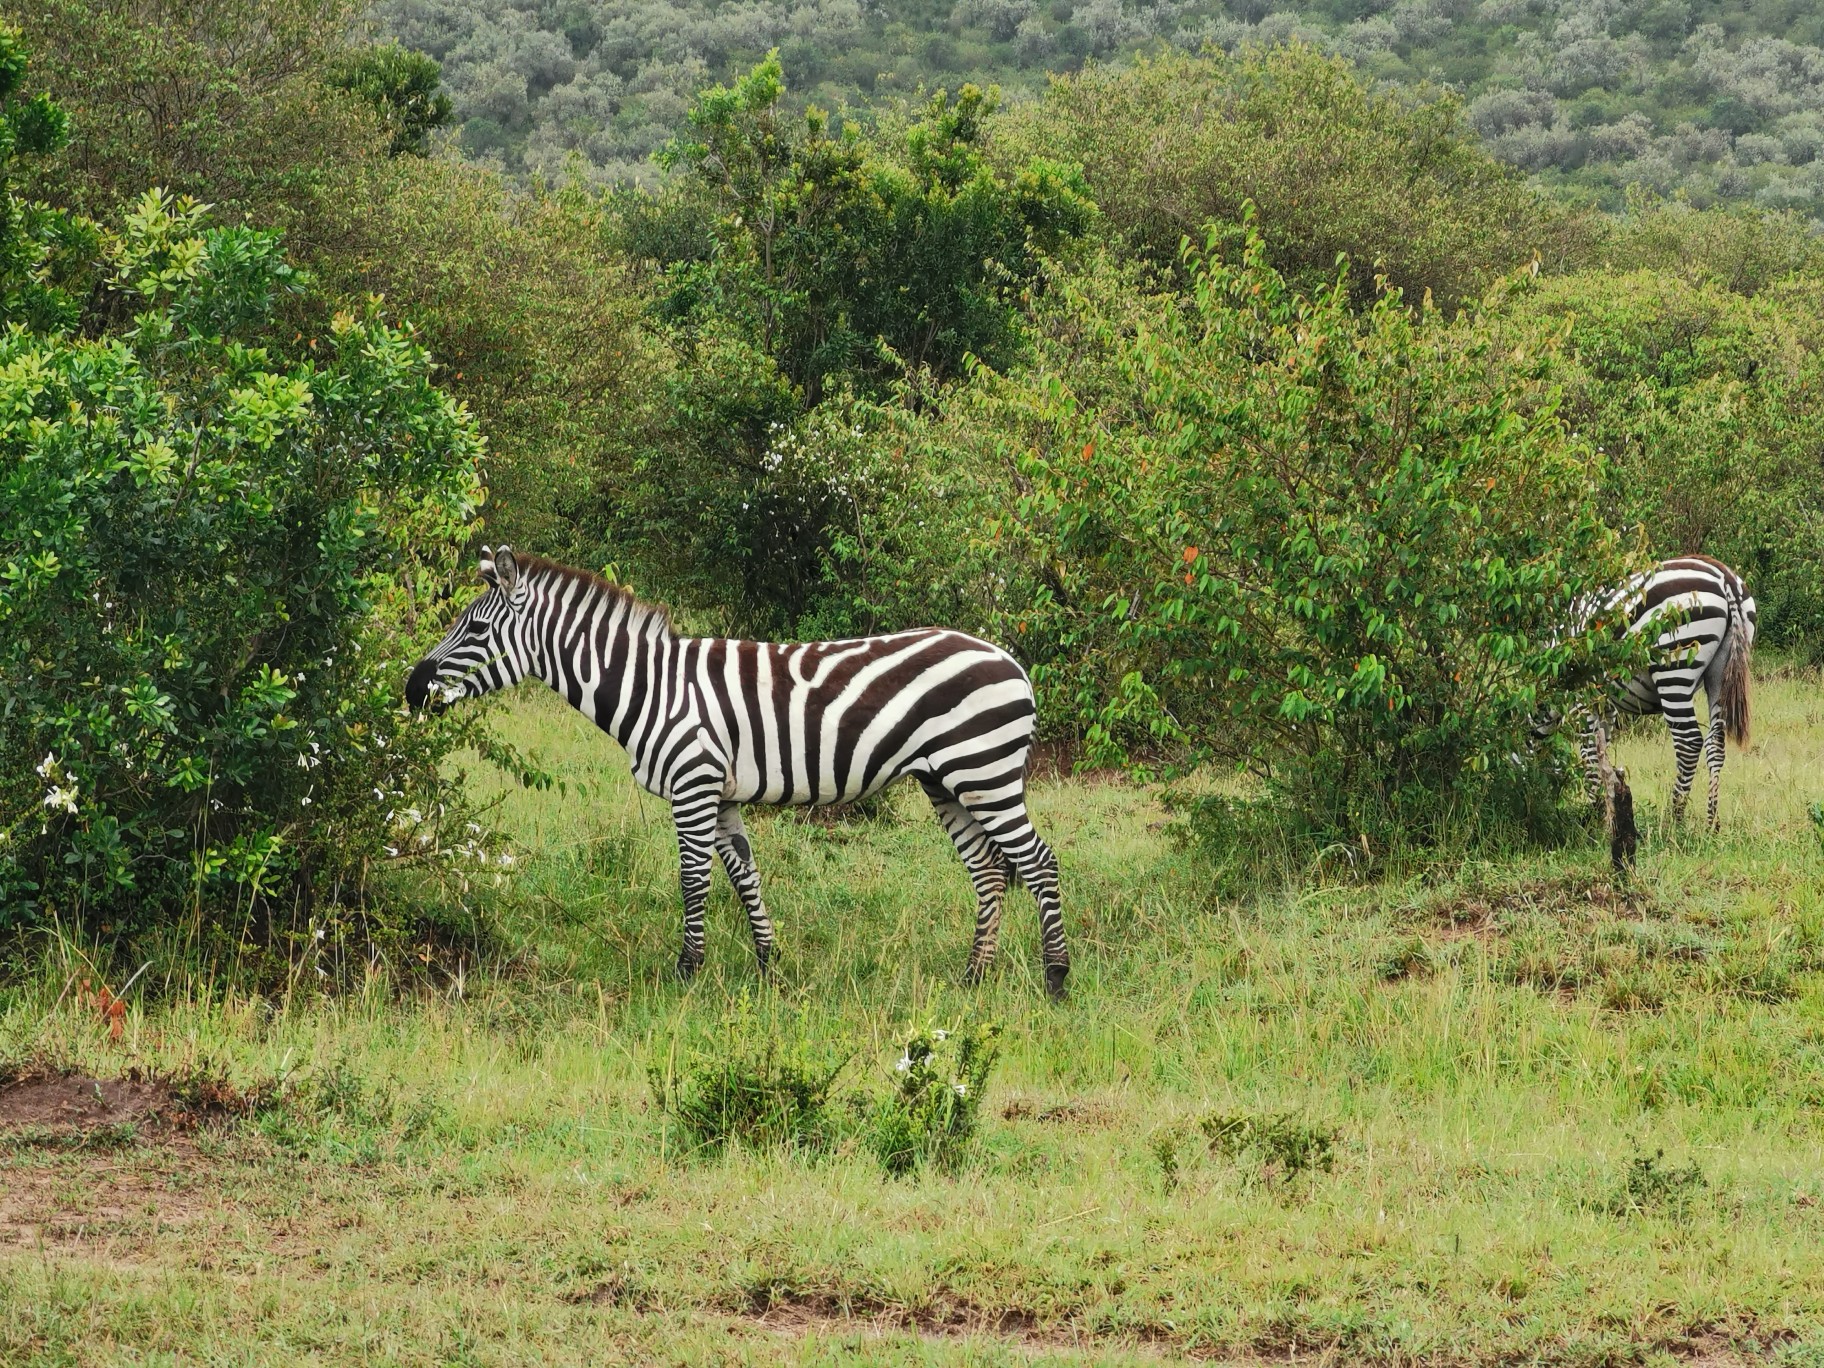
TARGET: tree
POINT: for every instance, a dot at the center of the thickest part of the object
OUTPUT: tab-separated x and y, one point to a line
1389	178
831	270
403	87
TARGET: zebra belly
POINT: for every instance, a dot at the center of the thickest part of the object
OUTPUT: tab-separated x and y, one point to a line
832	722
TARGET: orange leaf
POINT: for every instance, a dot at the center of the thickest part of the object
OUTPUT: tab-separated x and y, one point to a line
1190	554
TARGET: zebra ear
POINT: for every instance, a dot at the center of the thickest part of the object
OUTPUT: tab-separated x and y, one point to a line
486	567
506	569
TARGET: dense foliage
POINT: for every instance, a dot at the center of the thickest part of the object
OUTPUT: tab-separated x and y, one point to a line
1720	101
1335	546
1711	406
1312	501
212	519
805	270
1332	167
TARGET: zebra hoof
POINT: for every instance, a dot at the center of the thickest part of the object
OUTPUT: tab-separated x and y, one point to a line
975	975
688	966
1054	981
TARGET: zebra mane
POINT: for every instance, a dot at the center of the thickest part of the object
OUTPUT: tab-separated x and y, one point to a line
639	611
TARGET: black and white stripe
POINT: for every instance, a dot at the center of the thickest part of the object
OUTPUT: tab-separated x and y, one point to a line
711	724
1700	620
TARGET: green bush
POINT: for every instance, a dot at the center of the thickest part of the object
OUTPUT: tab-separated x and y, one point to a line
1282	1144
213	525
1334	166
930	1115
747	1085
1710	405
1337	548
402	87
225	101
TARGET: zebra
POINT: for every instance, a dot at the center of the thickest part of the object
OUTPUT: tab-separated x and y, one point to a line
1701	620
711	724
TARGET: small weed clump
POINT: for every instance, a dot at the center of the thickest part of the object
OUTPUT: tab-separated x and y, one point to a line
749	1088
1279	1141
341	1117
1648	1183
930	1115
1164	1144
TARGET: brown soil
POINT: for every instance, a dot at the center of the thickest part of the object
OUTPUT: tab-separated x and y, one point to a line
805	1313
73	1105
1482	911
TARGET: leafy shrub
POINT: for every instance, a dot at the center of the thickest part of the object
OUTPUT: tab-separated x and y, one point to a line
402	87
1649	1183
1279	1142
930	1116
748	1086
1337	548
1710	406
1169	143
226	102
209	538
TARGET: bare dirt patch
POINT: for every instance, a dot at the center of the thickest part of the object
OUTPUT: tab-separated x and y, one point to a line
1465	912
1076	1112
74	1104
798	1313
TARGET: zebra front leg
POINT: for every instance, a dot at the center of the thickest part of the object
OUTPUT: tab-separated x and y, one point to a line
738	859
695	817
988	873
1713	757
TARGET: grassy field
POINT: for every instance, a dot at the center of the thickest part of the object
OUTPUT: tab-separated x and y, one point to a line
1570	1125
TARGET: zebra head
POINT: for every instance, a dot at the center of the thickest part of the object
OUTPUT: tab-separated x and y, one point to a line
481	652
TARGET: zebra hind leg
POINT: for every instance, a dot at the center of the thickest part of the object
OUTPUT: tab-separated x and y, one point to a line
989	872
1008	825
738	860
1687	744
1713	757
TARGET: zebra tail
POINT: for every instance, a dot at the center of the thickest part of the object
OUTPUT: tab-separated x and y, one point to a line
1734	694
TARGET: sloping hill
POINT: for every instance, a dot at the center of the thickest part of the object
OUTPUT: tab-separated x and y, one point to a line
1719	101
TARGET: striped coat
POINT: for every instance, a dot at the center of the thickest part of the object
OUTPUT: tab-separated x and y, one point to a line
711	724
1700	619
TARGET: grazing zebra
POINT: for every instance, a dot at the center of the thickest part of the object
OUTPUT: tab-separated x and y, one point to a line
711	724
1702	624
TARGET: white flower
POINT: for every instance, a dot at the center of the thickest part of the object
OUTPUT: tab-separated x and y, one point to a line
506	859
905	1063
319	933
379	795
306	800
392	853
46	765
60	797
962	1090
940	1035
303	760
415	817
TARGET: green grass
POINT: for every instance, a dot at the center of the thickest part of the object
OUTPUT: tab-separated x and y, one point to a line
1540	1120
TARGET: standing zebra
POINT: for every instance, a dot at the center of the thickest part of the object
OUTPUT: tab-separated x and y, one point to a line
711	724
1701	622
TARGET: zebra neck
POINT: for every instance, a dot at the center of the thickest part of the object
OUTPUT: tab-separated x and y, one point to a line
607	654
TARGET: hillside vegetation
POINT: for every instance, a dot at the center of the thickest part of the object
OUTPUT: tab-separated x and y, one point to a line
1723	103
